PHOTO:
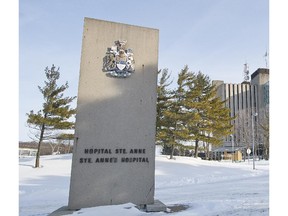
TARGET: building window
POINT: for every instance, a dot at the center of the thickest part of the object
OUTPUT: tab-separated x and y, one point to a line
234	105
238	102
254	96
242	96
229	95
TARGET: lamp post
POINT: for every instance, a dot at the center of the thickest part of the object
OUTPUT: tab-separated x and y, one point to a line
253	142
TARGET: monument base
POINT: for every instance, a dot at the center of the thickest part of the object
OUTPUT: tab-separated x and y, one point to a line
157	206
62	211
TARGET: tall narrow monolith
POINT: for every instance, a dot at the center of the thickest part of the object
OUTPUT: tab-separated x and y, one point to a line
114	149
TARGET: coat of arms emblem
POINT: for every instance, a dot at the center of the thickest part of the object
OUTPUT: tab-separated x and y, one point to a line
119	61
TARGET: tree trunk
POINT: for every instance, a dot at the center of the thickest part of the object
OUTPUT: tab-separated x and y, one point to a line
196	148
172	151
37	161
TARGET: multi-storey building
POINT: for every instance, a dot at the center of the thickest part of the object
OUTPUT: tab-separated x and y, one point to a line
249	104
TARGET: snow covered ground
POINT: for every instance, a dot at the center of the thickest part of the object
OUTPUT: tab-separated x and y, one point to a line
205	188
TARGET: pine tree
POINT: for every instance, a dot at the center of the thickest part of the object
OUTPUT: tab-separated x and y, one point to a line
171	129
55	112
162	121
191	112
208	120
219	117
162	98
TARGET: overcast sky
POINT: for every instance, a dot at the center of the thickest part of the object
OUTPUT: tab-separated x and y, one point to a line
213	36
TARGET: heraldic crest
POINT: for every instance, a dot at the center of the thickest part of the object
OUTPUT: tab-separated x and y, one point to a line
119	61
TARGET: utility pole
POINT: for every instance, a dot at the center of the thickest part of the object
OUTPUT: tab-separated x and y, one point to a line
253	138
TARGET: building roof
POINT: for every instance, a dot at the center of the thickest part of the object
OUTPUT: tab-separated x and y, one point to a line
260	71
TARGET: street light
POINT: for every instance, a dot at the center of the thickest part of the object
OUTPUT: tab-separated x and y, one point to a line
253	142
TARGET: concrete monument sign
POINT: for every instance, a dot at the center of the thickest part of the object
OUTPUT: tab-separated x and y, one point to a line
114	149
